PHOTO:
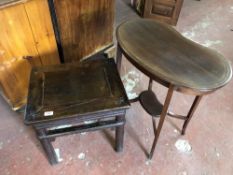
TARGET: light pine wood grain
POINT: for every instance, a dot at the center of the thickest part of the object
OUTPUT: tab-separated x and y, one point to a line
25	31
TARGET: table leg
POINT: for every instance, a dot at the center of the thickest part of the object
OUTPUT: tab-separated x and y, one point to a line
119	134
162	118
52	139
118	58
47	146
154	124
150	84
190	113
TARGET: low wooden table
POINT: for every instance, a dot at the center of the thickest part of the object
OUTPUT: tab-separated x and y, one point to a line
172	60
68	95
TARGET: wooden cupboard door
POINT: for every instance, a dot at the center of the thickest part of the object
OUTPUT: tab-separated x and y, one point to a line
163	10
85	26
16	42
24	42
40	21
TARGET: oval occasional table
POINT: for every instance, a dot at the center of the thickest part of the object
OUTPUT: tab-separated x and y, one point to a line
170	59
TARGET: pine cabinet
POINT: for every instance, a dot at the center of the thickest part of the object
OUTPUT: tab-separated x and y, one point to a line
26	40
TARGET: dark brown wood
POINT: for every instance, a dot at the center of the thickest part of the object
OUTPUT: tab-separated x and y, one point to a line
48	147
82	128
167	11
181	117
150	84
119	134
150	103
118	58
167	57
162	118
153	107
85	26
133	100
190	113
71	94
154	124
171	58
74	89
81	118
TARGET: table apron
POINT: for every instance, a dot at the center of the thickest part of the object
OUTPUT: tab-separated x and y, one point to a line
79	119
83	128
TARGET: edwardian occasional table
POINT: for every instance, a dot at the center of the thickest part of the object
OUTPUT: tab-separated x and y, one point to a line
167	57
62	97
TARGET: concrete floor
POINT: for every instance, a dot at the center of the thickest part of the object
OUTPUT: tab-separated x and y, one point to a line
208	22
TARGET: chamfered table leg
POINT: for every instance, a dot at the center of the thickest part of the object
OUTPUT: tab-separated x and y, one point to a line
47	146
162	118
118	58
119	134
190	113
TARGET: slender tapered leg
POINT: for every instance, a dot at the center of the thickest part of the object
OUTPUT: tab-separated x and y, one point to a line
190	113
48	147
119	134
162	118
150	84
118	58
154	124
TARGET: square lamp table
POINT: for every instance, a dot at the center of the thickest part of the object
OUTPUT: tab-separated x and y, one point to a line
62	97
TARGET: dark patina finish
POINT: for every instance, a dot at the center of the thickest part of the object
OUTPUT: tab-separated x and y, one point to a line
172	60
71	94
164	54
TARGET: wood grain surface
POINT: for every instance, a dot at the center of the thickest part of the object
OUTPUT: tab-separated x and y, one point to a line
40	21
70	90
167	11
85	26
25	32
165	55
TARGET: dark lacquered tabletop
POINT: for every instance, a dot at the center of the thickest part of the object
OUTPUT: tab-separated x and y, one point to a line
71	90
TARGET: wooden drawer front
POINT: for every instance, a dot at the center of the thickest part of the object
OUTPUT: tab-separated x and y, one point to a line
161	9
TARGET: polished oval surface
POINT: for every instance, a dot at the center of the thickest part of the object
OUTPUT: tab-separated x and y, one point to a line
164	53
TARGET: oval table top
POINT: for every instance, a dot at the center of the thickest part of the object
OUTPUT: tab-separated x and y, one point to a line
162	53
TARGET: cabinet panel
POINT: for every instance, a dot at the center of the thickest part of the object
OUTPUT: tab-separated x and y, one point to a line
16	38
16	41
85	26
23	36
163	10
40	21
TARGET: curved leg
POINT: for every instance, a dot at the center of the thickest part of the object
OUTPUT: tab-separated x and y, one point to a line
162	118
190	113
